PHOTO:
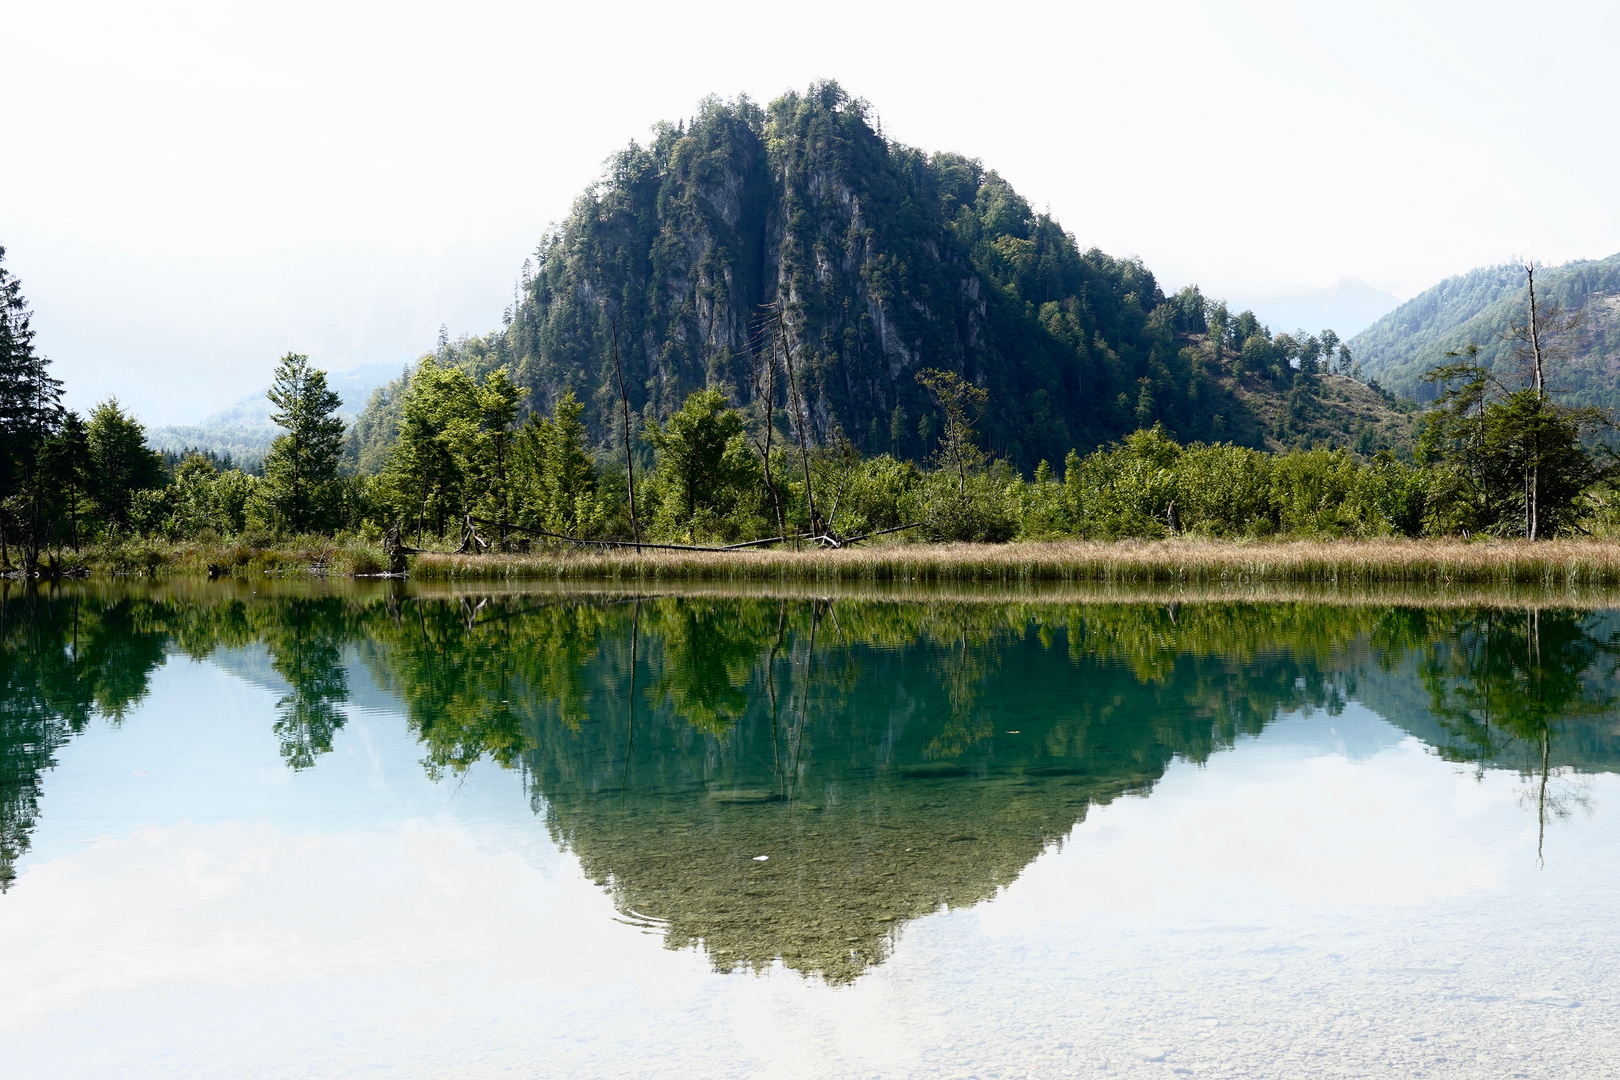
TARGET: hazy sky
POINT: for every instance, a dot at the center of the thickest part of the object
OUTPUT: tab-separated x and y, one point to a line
190	190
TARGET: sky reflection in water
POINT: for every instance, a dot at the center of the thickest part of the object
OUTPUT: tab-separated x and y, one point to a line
370	833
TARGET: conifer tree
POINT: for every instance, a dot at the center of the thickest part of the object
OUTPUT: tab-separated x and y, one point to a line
30	412
120	462
69	464
498	399
555	474
427	471
16	378
300	471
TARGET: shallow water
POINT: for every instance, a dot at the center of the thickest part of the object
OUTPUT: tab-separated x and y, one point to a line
593	835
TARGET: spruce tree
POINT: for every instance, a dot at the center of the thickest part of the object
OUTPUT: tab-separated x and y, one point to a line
300	471
30	413
69	463
120	462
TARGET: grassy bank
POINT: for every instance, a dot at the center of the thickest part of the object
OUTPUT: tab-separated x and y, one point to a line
1563	563
297	556
1346	563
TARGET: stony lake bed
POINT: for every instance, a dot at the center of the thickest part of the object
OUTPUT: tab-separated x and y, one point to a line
350	830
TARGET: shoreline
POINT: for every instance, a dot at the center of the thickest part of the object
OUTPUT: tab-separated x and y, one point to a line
1227	566
1431	563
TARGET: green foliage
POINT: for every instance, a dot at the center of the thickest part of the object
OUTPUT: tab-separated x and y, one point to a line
982	509
1225	490
455	453
425	471
555	480
707	480
300	492
66	460
30	418
1480	308
879	493
121	464
200	500
1505	462
1043	512
962	404
1126	490
1149	486
963	500
497	400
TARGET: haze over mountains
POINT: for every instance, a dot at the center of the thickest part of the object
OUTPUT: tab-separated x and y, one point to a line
1478	308
1349	306
244	430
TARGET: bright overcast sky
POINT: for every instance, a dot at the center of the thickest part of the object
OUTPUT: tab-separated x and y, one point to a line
192	189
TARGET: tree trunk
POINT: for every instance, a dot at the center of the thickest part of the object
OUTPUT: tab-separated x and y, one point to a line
1535	353
796	402
765	385
629	461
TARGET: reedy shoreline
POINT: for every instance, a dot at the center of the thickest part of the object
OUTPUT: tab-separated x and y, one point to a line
1423	565
1562	563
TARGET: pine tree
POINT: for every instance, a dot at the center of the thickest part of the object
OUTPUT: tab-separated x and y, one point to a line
16	378
30	413
69	454
300	471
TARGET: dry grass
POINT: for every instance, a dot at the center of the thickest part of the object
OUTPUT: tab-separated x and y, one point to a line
1549	564
294	556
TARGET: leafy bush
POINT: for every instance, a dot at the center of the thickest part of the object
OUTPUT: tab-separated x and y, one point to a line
983	509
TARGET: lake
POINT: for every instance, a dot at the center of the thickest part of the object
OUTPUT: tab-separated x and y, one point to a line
298	830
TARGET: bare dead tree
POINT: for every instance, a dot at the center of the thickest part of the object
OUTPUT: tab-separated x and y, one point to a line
629	460
765	394
799	415
1548	334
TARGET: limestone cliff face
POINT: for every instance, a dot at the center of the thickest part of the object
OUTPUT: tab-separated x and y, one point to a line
885	260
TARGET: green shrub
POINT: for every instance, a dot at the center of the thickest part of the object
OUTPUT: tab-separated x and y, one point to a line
983	509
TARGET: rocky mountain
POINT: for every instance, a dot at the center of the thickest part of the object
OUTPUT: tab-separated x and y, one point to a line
883	259
1479	307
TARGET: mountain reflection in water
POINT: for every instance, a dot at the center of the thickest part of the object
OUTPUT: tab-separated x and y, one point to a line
796	779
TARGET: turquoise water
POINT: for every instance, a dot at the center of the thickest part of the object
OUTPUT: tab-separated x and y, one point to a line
374	833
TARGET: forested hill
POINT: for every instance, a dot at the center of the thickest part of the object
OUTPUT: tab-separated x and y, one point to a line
886	260
1479	307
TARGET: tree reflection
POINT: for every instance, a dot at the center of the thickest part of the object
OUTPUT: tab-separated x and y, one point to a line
1505	684
61	664
889	757
306	649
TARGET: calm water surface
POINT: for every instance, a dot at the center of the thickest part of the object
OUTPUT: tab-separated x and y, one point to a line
552	835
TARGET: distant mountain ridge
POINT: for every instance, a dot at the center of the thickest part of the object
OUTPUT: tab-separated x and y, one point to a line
1478	308
244	430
